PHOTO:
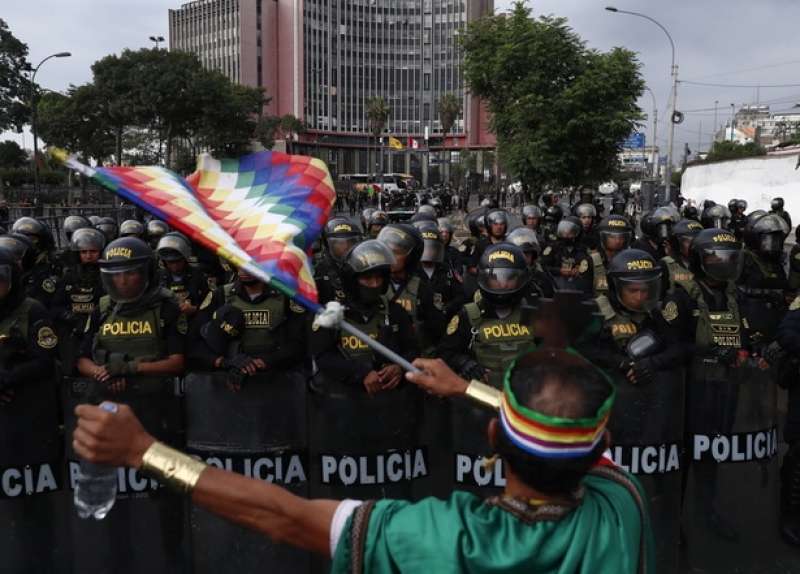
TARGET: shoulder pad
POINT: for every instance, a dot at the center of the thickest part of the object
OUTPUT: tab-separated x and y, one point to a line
604	305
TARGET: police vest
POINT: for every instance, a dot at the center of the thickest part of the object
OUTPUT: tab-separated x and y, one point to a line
721	328
138	336
496	342
407	297
333	278
179	287
600	277
354	348
14	329
81	299
621	326
678	274
261	321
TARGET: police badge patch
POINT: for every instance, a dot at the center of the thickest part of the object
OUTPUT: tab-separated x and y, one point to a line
207	301
296	307
452	327
183	324
438	301
670	311
547	250
49	285
46	338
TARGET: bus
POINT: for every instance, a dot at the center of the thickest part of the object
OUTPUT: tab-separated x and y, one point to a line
392	182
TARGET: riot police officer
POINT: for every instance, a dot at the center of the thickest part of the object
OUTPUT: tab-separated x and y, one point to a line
131	228
587	213
540	283
108	227
644	355
656	228
377	220
716	217
677	262
29	424
187	283
763	283
77	293
487	334
339	236
452	257
690	212
531	217
776	207
567	261
615	235
40	282
737	208
154	231
73	223
496	230
345	360
552	217
448	296
406	287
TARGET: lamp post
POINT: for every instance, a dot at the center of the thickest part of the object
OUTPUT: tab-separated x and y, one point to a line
673	99
655	131
157	40
33	118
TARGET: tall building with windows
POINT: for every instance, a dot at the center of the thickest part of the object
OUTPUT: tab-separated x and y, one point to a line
321	60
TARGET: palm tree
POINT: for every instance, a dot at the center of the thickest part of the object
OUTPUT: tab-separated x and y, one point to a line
377	116
291	126
449	110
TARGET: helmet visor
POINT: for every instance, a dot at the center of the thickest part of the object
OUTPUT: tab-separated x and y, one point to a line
339	246
615	240
126	283
502	281
771	243
722	264
433	252
638	294
567	230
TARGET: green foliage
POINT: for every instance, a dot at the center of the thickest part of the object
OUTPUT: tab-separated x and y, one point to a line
14	85
267	130
377	115
449	110
12	155
559	110
733	150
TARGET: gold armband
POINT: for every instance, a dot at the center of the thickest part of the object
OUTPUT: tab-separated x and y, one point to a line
171	467
484	394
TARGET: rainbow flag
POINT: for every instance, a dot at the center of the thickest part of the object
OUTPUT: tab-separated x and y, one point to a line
263	210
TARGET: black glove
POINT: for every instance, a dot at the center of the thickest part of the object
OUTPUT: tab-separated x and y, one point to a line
117	366
472	370
643	371
237	362
773	353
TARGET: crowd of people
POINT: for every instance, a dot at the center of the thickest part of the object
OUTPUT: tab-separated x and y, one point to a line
692	316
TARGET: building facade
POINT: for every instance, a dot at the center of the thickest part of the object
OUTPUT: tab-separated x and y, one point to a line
321	60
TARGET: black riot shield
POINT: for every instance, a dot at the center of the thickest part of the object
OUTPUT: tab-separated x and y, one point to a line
33	535
147	528
258	431
647	432
364	446
731	502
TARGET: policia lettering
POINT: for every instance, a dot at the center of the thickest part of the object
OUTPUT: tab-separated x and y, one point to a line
29	480
741	447
648	459
382	468
123	328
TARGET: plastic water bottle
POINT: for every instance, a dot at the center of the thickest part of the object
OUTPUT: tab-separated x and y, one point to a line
96	487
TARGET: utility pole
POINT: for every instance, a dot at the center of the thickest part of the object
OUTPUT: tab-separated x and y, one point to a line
733	111
716	121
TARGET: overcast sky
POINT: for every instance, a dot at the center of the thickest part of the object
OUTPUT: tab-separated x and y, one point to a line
740	42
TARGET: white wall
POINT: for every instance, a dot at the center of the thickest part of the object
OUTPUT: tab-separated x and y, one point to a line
756	180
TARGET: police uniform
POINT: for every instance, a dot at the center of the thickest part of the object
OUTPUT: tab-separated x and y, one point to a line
418	299
762	287
327	275
274	328
76	298
191	285
556	257
41	282
448	296
677	272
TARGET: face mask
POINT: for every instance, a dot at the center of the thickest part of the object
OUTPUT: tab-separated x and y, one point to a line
370	295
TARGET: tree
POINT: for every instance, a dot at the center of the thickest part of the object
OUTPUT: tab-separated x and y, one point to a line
559	110
377	116
290	127
733	150
14	85
449	110
12	155
266	130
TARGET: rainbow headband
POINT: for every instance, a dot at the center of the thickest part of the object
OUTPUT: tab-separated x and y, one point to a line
548	436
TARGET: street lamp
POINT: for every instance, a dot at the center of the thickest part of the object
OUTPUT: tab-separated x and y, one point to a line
655	130
33	118
157	40
673	100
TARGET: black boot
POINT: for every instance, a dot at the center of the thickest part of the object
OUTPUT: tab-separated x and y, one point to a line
790	497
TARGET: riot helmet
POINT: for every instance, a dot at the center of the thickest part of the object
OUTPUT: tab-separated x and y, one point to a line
86	245
716	254
475	221
502	274
21	247
154	231
615	233
634	281
126	269
586	212
340	237
569	230
754	216
586	195
36	231
174	247
428	212
94	219
553	215
732	205
11	291
659	225
766	236
776	204
716	217
73	223
531	216
526	240
690	212
433	248
376	221
366	270
108	227
131	228
618	205
741	205
365	213
445	230
683	233
497	223
406	244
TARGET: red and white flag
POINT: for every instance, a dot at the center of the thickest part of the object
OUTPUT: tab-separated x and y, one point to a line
413	143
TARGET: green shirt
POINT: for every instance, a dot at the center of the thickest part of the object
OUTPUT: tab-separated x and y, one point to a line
607	532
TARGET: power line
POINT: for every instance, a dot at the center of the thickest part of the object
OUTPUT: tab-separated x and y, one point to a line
741	70
748	86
